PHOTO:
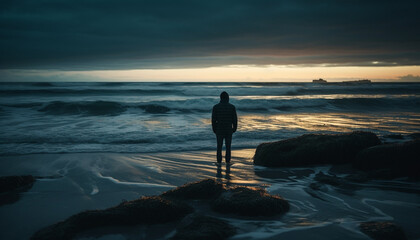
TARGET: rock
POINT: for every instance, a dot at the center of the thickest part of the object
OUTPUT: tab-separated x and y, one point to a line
11	188
204	228
11	183
205	189
390	160
146	210
172	206
310	149
248	201
382	231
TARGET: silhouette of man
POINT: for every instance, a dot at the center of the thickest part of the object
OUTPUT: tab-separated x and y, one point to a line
224	122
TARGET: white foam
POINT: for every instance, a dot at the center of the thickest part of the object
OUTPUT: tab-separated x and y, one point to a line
95	190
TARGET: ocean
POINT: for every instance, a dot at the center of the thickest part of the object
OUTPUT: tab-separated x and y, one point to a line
163	117
95	145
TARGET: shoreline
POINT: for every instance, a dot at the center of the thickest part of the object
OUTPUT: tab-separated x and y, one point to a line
131	153
89	181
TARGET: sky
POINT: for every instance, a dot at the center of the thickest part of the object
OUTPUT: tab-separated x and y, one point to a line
191	40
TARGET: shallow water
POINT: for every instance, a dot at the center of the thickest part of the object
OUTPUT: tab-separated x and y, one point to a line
77	182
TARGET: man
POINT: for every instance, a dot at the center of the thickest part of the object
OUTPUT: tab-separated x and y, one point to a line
224	122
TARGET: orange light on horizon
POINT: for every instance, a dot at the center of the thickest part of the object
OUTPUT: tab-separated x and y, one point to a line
257	73
232	73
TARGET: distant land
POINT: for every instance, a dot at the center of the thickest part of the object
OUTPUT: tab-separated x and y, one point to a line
361	81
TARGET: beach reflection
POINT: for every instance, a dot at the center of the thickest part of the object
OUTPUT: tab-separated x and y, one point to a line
323	96
223	178
334	122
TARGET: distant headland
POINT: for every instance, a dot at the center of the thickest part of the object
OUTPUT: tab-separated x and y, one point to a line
361	81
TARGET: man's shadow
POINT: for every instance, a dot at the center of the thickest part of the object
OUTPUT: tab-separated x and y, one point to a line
219	174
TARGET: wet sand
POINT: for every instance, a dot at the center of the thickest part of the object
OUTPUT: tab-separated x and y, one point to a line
75	182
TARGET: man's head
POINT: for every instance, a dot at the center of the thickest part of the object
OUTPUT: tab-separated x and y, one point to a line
224	97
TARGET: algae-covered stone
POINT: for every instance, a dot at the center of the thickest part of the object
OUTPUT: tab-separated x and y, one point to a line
249	201
204	189
382	231
204	228
146	210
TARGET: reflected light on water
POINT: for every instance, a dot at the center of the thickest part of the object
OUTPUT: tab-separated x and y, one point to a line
334	122
324	96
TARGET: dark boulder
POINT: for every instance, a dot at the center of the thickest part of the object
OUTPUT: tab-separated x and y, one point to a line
204	228
146	210
11	188
310	149
390	160
11	183
382	231
248	201
204	189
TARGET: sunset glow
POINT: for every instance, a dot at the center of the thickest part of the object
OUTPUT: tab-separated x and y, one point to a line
271	73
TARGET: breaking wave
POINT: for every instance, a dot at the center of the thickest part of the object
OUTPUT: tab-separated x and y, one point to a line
204	105
95	108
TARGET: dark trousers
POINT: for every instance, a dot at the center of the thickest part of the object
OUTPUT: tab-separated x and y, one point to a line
228	141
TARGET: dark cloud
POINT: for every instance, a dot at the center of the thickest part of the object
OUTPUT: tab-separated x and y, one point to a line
88	34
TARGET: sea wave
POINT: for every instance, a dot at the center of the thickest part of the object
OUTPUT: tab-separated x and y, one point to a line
85	108
84	92
372	104
204	105
201	89
154	108
23	105
42	84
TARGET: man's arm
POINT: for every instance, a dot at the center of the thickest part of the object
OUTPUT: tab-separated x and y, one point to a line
235	120
213	120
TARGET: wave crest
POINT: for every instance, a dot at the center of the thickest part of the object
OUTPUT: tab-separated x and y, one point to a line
154	108
95	108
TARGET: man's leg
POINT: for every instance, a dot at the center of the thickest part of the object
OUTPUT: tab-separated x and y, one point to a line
219	148
228	142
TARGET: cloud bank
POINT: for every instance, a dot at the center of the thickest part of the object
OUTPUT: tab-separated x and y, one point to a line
89	34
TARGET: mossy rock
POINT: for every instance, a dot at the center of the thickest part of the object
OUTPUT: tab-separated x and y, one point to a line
204	228
249	201
146	210
382	231
204	189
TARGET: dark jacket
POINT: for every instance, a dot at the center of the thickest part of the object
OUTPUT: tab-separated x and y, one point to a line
223	118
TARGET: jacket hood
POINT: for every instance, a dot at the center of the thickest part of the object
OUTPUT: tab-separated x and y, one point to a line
224	97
